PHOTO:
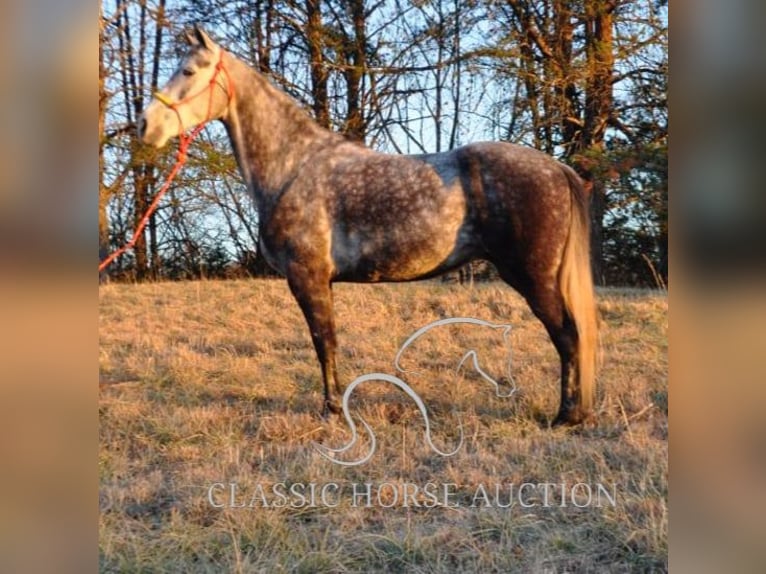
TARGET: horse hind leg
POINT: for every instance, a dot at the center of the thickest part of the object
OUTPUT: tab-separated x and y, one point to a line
574	405
547	302
314	296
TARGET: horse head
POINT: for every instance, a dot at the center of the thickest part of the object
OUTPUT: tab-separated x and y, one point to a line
200	90
503	329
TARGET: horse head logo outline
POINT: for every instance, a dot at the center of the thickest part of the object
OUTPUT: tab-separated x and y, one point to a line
330	453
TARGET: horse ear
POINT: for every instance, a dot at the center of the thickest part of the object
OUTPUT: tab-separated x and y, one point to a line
202	38
190	38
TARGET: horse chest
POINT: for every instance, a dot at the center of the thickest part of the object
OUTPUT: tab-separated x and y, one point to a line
295	229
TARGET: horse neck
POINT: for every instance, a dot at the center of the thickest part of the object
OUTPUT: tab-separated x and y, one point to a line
270	134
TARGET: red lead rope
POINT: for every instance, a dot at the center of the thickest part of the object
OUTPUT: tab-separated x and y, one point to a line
183	147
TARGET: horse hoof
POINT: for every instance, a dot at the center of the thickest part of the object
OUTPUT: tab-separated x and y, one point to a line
331	407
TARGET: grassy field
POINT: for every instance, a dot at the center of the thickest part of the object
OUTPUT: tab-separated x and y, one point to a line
206	385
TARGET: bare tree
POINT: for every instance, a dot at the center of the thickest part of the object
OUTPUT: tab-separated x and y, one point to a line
583	80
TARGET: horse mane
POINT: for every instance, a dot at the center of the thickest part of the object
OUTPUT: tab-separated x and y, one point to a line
289	108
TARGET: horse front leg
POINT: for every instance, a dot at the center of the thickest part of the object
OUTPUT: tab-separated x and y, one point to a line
314	295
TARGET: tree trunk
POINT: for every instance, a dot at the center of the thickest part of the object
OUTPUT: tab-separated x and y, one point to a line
140	203
264	21
565	86
151	171
598	110
319	75
357	59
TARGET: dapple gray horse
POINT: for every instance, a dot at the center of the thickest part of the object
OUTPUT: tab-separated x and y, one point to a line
332	210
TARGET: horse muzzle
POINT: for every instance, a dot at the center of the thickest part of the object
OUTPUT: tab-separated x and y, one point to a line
151	132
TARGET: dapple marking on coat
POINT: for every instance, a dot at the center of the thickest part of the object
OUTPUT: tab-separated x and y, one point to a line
331	210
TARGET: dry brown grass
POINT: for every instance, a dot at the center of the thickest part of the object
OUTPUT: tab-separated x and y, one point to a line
211	382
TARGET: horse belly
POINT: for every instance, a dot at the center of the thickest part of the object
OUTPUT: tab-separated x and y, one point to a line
400	253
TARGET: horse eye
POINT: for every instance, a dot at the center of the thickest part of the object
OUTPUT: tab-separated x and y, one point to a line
188	72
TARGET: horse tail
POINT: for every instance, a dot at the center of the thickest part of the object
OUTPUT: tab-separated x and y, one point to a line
576	284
